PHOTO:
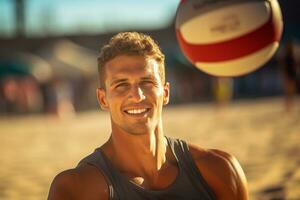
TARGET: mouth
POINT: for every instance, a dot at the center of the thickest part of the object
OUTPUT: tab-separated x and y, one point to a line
137	111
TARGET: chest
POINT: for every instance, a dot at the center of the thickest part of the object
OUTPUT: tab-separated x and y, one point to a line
93	192
163	179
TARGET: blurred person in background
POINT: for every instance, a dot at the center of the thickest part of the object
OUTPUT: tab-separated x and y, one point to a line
60	97
290	73
10	91
138	161
20	95
222	91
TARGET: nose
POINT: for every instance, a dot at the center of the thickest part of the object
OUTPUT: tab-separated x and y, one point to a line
136	94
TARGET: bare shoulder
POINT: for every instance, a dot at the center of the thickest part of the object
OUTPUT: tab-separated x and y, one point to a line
65	185
222	172
84	182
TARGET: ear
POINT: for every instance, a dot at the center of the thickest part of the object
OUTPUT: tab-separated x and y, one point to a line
166	93
101	97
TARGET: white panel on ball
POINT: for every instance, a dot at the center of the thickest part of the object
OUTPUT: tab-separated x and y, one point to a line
227	23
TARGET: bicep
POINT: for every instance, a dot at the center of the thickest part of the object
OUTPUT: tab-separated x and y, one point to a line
236	175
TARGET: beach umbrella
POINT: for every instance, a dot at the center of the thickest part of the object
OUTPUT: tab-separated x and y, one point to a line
12	68
26	64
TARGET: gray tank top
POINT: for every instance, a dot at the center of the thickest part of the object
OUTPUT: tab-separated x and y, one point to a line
189	183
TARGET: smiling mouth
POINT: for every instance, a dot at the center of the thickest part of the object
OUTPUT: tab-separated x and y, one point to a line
137	112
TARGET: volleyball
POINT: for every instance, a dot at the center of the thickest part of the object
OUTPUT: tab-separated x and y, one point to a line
228	37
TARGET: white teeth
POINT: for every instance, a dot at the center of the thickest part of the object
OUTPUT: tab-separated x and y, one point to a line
136	111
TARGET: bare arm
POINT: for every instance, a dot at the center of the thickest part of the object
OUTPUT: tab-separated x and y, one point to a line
238	186
222	172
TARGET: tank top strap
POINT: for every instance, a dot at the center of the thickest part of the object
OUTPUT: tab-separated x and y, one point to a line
98	160
181	151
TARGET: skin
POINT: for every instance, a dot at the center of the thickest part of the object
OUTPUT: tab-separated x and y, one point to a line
137	146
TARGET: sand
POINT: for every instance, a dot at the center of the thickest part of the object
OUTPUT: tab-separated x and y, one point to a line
259	133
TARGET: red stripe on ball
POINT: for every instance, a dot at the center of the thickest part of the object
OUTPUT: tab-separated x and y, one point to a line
268	33
183	1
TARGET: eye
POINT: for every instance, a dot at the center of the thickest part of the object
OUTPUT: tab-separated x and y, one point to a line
148	82
121	85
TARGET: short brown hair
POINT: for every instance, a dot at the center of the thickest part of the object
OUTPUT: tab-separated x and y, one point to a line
130	43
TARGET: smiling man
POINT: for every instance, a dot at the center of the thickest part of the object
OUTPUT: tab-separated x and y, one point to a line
138	161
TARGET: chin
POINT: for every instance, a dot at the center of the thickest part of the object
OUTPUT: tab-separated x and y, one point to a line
137	133
136	130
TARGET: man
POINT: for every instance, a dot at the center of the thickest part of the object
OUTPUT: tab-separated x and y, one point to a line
290	72
138	161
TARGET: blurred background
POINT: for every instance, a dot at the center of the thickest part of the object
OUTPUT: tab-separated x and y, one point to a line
49	116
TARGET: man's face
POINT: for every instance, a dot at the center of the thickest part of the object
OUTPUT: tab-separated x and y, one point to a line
134	94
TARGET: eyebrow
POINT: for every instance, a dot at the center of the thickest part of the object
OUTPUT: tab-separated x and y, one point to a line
116	81
150	77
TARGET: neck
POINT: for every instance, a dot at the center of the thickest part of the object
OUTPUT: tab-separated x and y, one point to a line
138	155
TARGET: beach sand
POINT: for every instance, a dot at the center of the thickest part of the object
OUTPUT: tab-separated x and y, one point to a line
259	133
